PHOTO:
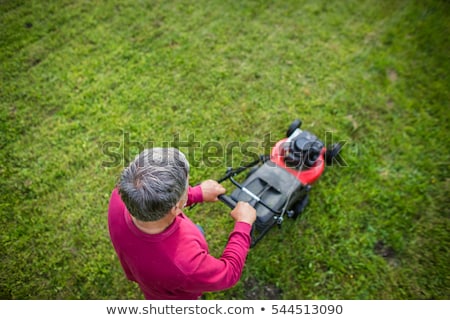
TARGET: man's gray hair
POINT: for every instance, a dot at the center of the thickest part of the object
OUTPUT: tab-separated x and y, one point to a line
154	182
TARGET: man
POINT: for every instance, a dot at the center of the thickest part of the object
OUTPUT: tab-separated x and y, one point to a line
158	246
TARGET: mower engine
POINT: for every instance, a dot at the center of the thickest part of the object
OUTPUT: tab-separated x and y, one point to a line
302	151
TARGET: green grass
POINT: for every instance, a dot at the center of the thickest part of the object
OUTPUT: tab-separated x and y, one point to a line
79	78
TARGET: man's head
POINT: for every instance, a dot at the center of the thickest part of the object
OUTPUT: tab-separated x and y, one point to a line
154	182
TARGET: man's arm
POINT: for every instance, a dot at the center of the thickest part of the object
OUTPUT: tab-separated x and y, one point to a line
207	191
195	195
212	274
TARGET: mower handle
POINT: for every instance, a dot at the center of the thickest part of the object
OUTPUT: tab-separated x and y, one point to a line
232	204
227	200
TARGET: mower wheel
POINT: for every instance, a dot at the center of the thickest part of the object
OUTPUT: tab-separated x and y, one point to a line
300	206
294	125
332	153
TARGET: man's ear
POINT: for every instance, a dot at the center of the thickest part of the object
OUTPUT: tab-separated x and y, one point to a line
180	204
174	211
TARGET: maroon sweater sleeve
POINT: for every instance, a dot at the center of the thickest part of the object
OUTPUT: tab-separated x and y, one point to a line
210	273
195	195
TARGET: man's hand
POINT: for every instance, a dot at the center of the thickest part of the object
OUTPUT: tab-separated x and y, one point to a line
244	212
211	190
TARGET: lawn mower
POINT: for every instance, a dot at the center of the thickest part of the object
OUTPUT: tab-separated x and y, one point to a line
278	185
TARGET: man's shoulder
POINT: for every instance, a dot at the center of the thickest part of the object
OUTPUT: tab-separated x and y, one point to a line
192	247
116	208
115	201
190	256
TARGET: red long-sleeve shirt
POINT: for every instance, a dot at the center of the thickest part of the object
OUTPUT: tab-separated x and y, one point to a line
175	264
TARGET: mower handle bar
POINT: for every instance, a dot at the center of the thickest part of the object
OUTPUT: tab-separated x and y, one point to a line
227	200
231	204
232	172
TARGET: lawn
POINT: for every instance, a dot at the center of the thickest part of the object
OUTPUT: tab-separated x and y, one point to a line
86	84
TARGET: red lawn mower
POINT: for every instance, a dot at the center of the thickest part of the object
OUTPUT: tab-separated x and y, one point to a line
278	185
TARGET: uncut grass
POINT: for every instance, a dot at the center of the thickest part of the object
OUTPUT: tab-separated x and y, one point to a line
85	85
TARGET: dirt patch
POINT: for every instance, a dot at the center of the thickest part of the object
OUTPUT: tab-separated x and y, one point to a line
387	252
257	291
